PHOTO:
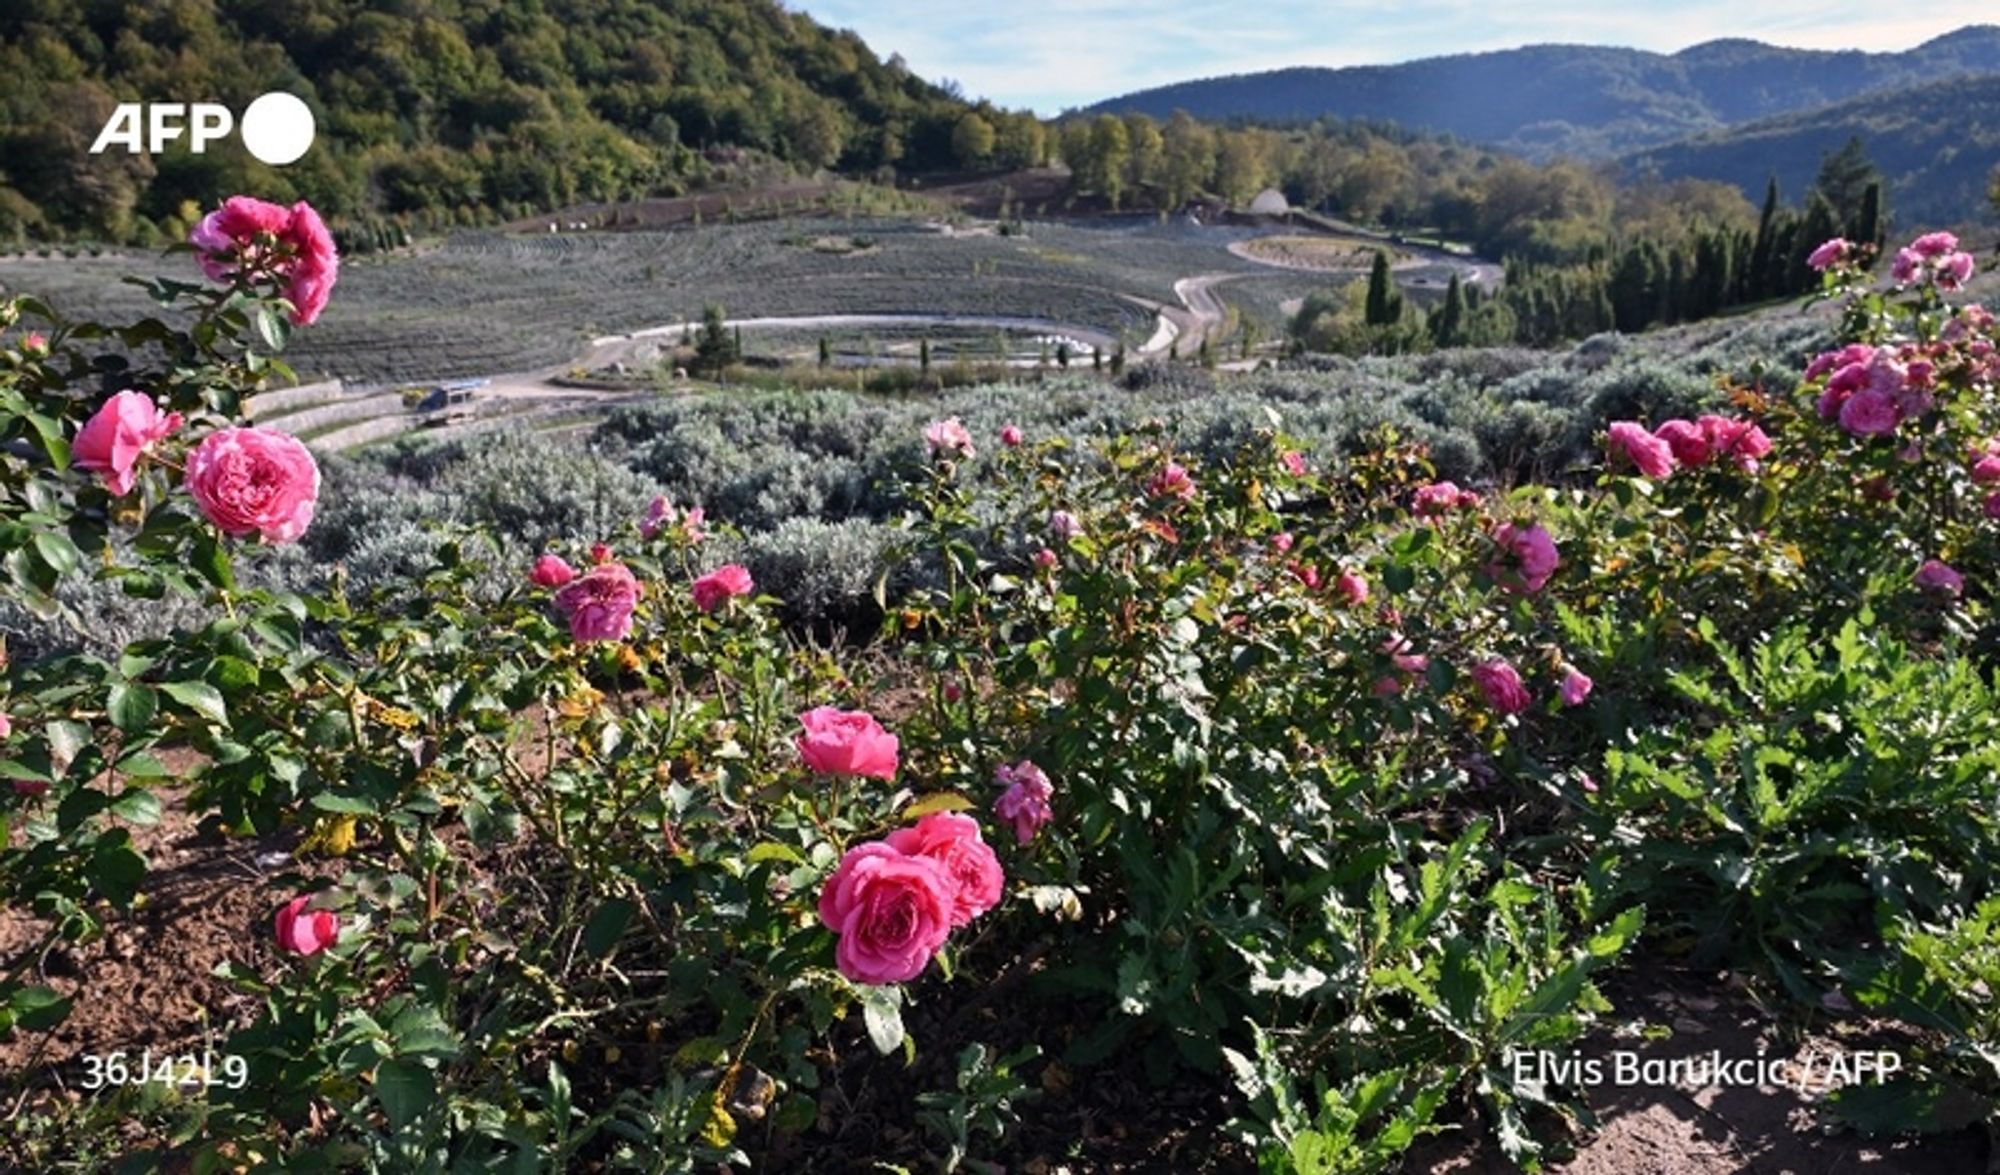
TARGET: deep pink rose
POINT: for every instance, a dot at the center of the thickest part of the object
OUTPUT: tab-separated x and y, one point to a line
846	742
254	480
1576	687
1294	463
599	603
1502	686
1025	803
1870	414
1010	436
1648	453
892	912
951	840
949	438
1741	441
1992	506
1688	442
306	932
1305	573
1938	578
1986	470
715	588
1171	482
1045	559
6	726
1351	588
228	236
315	264
551	572
1531	557
118	434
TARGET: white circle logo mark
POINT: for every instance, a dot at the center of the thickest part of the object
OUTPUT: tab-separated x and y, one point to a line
277	129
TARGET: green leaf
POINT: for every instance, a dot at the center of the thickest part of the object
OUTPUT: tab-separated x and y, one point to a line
37	1008
58	552
1908	1104
117	871
209	557
271	326
132	706
405	1089
882	1011
346	805
137	806
201	697
771	850
607	926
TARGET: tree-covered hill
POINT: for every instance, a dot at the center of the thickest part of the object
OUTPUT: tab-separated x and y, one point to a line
1546	100
1936	144
451	106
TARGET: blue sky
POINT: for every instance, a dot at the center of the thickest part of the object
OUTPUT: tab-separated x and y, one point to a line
1050	54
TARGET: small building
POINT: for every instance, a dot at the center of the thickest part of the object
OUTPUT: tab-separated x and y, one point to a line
1270	202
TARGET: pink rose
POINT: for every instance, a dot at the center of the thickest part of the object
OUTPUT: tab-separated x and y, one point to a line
1282	541
1687	441
1904	268
1870	414
1648	453
1351	588
599	603
1741	441
952	842
1934	244
892	912
1305	573
846	742
1025	803
692	524
1986	470
1575	687
949	438
1992	506
599	553
711	591
1940	579
1533	554
1064	525
6	726
1829	254
551	572
1294	463
254	480
306	932
35	343
256	238
1954	271
1045	559
659	512
118	434
1502	686
1171	482
1010	436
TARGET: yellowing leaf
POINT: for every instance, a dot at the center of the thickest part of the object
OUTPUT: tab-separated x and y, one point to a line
943	801
720	1130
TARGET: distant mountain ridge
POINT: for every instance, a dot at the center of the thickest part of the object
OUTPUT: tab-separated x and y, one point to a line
1580	100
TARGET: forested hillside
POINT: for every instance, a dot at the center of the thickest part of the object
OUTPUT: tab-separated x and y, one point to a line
1937	145
1590	101
446	106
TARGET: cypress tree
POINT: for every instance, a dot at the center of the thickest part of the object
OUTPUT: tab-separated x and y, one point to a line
1383	307
924	355
1448	326
1759	286
1868	228
825	351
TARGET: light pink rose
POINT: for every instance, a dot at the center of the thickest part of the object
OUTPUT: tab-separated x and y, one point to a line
1010	436
692	524
1904	268
1294	463
306	932
1651	455
6	726
1940	579
118	434
551	572
1064	525
35	343
1351	588
1954	271
1532	557
254	480
1171	482
1576	687
659	512
846	742
951	840
892	912
1501	685
1025	803
711	591
1829	254
1282	541
949	438
600	602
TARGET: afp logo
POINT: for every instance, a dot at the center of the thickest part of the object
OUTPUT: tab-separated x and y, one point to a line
277	127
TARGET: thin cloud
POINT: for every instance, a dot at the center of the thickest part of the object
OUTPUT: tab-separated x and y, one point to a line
1048	55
